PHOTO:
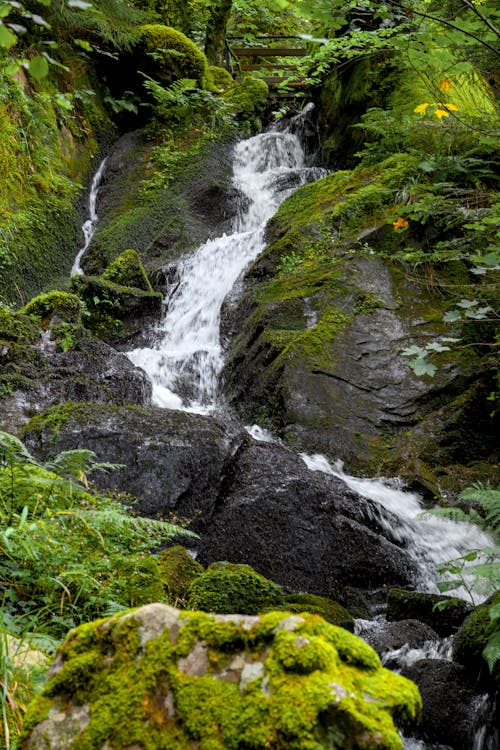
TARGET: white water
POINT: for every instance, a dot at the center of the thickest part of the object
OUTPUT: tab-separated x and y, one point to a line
88	228
430	540
185	363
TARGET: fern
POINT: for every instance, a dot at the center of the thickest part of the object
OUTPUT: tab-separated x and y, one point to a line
488	498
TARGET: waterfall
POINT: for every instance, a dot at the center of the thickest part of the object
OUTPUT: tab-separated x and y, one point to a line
88	227
186	360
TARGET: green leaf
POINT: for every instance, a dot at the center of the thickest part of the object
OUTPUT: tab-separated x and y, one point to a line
452	316
420	367
38	67
435	346
7	38
4	10
466	304
412	350
83	44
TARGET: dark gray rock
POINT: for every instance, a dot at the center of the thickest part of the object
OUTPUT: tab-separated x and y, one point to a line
403	604
253	503
42	376
450	703
387	636
303	530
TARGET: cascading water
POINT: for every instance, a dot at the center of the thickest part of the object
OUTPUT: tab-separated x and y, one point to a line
88	228
185	363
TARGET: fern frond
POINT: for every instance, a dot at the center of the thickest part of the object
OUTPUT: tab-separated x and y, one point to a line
12	449
491	652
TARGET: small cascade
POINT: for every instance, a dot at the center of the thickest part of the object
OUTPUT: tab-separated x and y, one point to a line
88	227
185	362
430	540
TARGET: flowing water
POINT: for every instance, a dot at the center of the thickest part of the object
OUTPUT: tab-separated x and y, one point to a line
186	359
88	228
185	363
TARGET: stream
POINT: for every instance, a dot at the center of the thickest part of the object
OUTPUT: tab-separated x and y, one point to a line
185	362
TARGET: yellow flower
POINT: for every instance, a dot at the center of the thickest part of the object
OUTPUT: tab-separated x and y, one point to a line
450	107
400	223
441	113
445	84
421	109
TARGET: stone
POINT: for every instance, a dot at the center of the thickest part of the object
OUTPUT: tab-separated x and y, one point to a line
403	604
225	681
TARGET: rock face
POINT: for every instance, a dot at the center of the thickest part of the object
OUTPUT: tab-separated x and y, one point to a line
251	502
315	342
160	678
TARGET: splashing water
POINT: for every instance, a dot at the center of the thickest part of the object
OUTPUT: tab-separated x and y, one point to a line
88	228
184	365
430	540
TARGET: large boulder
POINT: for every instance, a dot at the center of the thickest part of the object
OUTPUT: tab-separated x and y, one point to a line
315	342
46	359
385	637
450	702
251	502
442	613
157	677
302	529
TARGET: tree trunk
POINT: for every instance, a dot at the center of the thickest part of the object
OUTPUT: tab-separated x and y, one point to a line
216	32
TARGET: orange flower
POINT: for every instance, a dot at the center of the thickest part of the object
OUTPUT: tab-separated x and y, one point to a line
445	84
400	223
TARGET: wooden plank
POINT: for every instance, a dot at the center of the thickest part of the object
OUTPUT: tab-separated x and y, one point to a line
272	80
268	66
268	52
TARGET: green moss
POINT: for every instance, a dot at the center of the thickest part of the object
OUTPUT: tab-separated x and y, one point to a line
247	98
169	54
330	610
304	695
65	305
178	570
226	588
472	638
217	79
127	270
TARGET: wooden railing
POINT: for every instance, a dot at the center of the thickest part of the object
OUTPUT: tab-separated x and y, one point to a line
259	58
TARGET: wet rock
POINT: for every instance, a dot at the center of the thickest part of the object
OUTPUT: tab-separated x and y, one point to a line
472	638
450	703
41	376
304	530
173	461
403	604
387	636
160	677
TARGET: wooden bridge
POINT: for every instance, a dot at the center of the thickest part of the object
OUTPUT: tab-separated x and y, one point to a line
259	58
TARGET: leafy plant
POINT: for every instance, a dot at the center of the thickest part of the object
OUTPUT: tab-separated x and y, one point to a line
478	571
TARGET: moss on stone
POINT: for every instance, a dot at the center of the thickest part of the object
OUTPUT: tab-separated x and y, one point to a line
169	54
289	681
217	79
330	610
178	570
416	605
226	587
127	270
65	305
247	98
471	639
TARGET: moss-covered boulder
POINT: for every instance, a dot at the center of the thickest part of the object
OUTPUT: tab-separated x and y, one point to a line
116	312
248	98
330	610
167	54
161	679
218	79
403	604
225	587
178	570
66	306
472	638
127	270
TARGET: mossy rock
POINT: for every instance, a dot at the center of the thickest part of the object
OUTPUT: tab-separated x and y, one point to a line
168	55
17	328
218	79
226	588
178	570
162	679
114	310
319	605
140	582
127	270
65	305
248	98
472	638
416	605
